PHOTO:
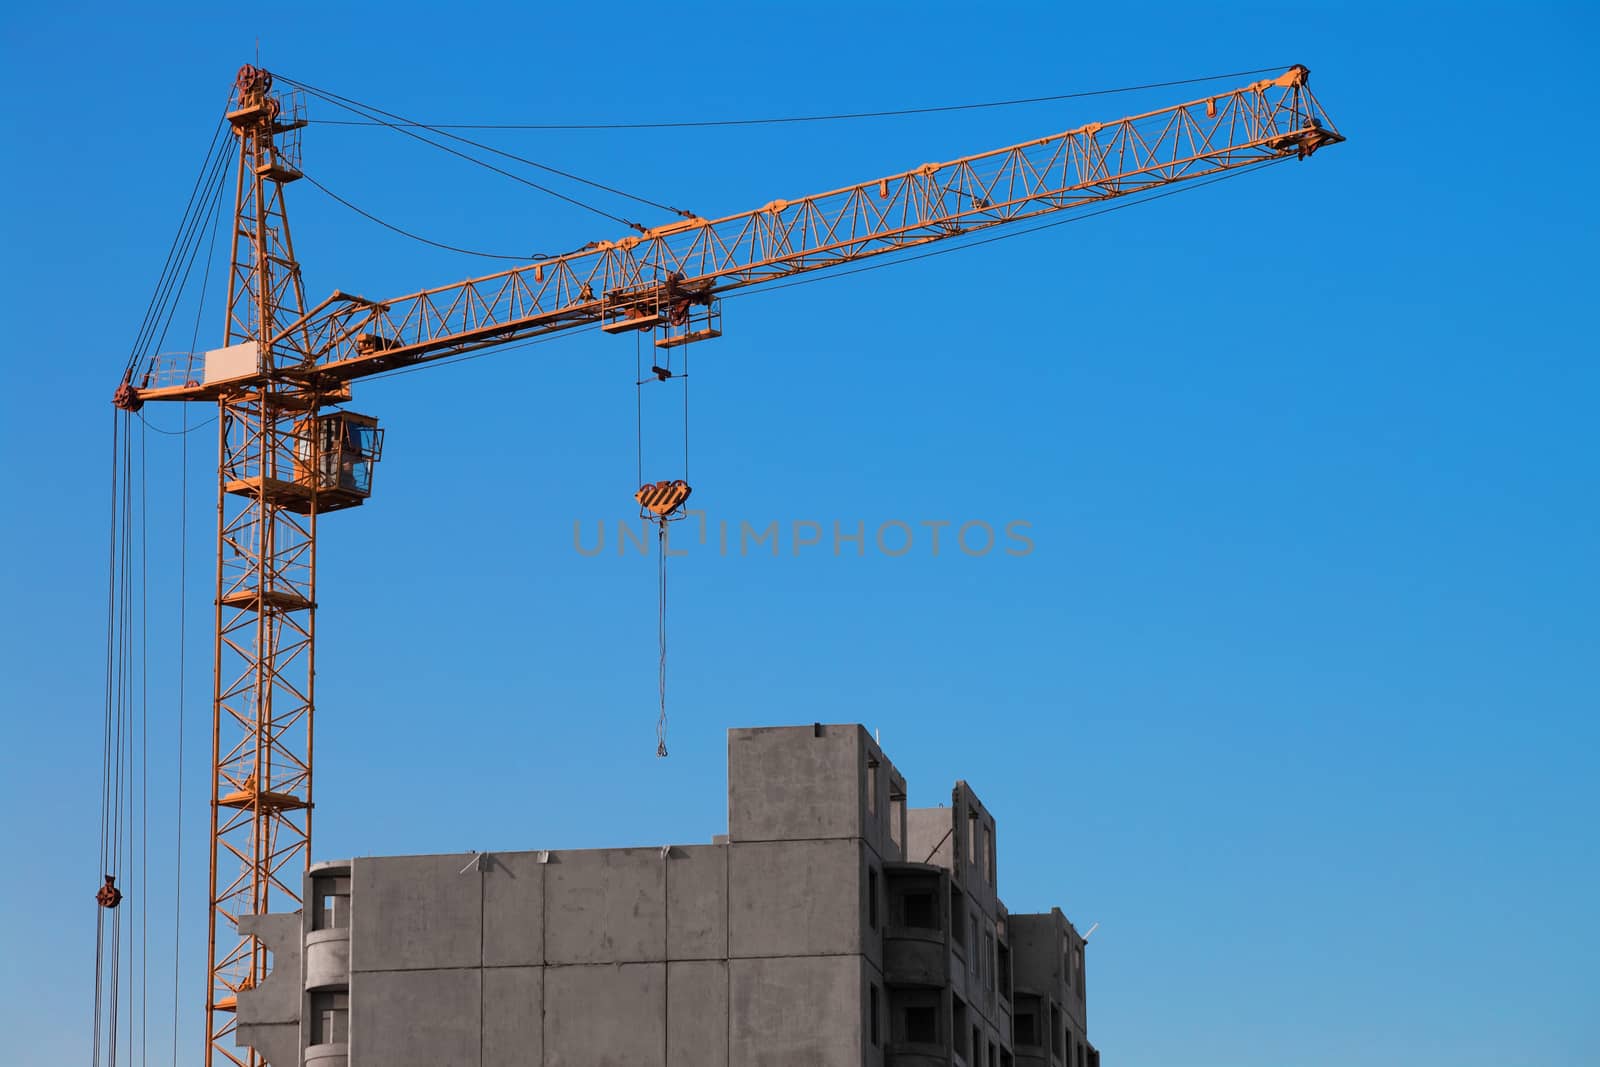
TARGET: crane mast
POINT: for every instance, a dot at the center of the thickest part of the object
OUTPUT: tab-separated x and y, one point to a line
264	674
287	453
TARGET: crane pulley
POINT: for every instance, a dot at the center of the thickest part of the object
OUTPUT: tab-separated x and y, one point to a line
290	453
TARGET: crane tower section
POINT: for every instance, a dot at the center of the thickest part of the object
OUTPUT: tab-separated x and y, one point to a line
283	461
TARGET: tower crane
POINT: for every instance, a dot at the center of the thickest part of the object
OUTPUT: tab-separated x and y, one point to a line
290	453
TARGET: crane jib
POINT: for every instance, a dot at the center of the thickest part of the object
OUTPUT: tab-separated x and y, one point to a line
617	283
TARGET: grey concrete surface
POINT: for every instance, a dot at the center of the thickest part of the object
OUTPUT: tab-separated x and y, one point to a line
269	1018
513	896
606	1015
796	1010
784	783
414	912
697	902
513	1016
697	1013
928	836
791	898
606	906
416	1017
327	959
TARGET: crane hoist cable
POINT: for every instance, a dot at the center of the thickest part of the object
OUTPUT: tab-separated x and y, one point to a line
661	502
121	932
122	923
405	126
661	637
141	913
108	896
179	792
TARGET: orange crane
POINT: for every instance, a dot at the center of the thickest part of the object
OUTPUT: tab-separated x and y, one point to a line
288	453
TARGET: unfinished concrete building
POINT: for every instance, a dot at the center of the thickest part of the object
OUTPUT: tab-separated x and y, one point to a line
830	927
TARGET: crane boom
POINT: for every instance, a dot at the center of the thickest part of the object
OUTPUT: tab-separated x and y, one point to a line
284	459
348	337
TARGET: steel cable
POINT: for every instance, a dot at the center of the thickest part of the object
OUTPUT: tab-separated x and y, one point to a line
177	240
534	257
839	117
398	121
214	214
661	631
170	286
361	109
183	585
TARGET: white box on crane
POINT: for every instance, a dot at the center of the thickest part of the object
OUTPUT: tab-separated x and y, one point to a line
230	364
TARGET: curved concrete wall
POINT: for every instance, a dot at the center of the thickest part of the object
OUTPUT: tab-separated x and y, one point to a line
327	1055
327	959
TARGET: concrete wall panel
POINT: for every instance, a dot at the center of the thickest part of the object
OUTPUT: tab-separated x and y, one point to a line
697	903
697	1014
789	783
415	1018
513	911
276	1042
277	998
793	898
513	1017
800	1010
928	836
416	912
606	907
606	1015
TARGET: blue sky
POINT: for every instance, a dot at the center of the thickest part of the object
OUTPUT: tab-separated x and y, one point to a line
1294	694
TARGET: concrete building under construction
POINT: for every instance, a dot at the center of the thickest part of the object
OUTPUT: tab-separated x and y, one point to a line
830	927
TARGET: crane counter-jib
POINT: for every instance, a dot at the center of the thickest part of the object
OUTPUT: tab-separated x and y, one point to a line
347	337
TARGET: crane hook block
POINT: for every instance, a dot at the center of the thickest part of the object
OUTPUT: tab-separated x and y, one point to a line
109	896
661	499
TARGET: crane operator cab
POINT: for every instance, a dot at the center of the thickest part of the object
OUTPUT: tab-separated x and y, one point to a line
334	453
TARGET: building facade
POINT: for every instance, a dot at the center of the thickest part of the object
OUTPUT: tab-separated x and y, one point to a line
830	927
